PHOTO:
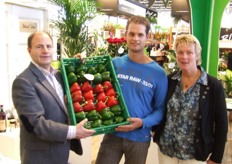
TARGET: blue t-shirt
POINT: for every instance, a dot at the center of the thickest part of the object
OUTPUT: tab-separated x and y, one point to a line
144	88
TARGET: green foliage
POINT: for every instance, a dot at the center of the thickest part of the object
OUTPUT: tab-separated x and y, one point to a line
73	16
228	83
152	19
170	65
226	79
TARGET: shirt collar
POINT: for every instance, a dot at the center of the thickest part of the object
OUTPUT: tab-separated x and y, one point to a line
44	71
202	80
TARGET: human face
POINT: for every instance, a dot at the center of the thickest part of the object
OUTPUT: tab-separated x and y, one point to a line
136	37
186	57
41	50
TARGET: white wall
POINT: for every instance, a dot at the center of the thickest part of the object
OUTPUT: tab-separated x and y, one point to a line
3	62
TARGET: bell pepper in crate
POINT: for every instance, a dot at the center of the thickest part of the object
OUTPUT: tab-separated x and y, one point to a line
80	77
101	97
98	88
88	95
100	106
75	87
77	96
72	78
106	114
86	86
89	106
81	67
105	76
80	116
118	119
87	125
108	122
111	101
77	107
107	85
116	110
97	78
96	123
69	68
92	70
110	92
101	68
93	115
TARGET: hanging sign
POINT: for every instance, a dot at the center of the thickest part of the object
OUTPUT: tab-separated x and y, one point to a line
226	34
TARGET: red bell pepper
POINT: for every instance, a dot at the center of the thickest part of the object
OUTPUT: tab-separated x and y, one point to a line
88	95
98	88
74	87
86	86
101	97
110	92
107	85
77	107
77	96
112	100
100	106
88	106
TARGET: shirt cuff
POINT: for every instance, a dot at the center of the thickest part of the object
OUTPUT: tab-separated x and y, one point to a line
71	132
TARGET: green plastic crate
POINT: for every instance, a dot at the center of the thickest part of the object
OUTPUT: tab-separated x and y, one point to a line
89	62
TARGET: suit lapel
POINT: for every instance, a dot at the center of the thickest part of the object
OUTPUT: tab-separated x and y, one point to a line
42	79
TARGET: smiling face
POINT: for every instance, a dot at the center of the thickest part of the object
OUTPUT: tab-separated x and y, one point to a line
188	52
186	56
136	37
41	50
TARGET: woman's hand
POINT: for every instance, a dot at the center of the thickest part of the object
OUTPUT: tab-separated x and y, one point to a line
78	56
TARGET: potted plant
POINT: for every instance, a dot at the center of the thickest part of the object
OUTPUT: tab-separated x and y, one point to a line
72	24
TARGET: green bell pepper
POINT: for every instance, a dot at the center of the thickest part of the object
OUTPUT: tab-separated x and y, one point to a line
106	114
80	116
97	78
80	77
116	110
105	76
108	122
101	68
81	67
71	78
118	119
92	70
96	123
87	125
93	115
69	68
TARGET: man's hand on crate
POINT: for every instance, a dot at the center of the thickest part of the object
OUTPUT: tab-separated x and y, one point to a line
81	131
135	124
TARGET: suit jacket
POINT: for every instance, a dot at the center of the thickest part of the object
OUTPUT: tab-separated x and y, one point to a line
43	119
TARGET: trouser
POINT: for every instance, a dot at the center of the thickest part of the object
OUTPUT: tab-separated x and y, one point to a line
164	159
112	149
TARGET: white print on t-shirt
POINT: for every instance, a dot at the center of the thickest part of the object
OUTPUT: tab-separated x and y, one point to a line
135	79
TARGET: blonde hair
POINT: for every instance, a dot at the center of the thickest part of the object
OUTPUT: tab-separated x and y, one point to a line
189	40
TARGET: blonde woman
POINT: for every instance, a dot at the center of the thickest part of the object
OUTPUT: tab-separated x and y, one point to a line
195	127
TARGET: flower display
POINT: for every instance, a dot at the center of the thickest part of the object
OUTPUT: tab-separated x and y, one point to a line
117	46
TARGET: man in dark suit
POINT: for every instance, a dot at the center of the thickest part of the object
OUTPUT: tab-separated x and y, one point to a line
39	100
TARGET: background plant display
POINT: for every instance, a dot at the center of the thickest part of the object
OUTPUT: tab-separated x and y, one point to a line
73	30
117	46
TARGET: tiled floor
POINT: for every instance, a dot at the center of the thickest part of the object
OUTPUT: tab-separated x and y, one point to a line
227	159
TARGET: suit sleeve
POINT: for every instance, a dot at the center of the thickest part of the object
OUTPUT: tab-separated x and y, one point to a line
38	111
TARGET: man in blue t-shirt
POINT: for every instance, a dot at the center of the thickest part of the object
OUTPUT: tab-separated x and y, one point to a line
144	86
